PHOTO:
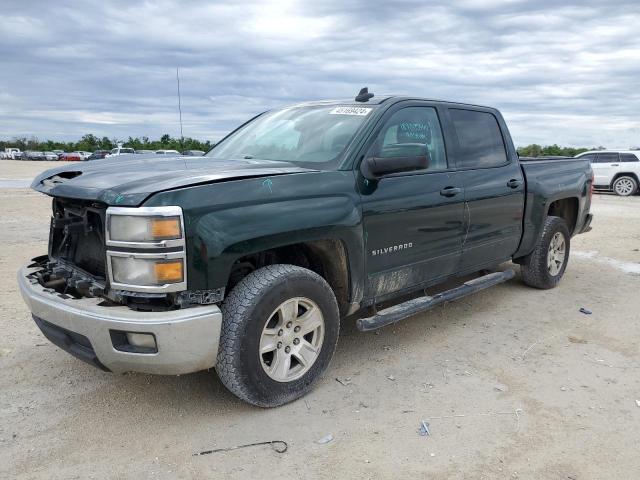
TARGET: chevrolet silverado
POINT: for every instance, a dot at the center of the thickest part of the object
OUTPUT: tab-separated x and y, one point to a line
247	259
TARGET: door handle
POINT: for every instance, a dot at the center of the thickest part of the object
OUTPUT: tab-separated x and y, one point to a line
514	183
615	165
450	191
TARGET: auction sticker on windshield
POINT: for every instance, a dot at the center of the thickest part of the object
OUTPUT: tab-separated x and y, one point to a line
361	111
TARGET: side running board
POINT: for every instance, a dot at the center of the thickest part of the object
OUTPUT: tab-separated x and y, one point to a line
421	304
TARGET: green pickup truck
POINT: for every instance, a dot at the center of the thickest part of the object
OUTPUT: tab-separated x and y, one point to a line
248	258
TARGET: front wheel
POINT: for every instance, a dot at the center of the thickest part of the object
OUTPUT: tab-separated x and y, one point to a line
280	326
625	186
546	264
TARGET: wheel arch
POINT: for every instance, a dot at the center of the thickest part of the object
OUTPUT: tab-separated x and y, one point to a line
567	209
327	257
624	174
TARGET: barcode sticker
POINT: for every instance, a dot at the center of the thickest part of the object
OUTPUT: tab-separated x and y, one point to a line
361	111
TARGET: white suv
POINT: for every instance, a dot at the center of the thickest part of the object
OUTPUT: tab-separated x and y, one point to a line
120	151
617	170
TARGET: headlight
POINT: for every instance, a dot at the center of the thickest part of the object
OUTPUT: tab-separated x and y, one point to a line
146	249
147	271
128	228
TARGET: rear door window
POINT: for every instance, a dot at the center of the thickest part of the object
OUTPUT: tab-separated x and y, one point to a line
608	157
479	139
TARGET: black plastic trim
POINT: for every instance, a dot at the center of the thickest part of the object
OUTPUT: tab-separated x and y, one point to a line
77	345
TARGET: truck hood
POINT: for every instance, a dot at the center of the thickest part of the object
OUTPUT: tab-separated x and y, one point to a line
129	181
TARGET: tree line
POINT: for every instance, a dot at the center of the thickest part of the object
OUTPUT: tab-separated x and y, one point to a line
91	143
535	150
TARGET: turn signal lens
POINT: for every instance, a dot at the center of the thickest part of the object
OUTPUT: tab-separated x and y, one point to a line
169	272
165	228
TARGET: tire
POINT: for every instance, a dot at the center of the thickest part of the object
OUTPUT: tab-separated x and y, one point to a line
261	304
625	186
539	270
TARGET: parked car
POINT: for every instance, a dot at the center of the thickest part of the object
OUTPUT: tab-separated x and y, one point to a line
70	157
247	259
145	152
83	154
11	153
615	170
193	153
120	151
34	155
97	155
51	156
58	152
167	152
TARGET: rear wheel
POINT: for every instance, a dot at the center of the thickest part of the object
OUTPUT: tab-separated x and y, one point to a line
546	264
625	186
280	327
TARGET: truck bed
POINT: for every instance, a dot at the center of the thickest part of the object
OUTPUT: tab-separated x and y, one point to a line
548	180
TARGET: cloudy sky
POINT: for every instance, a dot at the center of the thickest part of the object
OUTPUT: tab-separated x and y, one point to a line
560	72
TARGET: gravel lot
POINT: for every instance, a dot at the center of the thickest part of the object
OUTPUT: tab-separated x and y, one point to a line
514	383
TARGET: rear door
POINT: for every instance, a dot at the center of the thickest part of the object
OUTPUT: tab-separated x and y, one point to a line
413	221
606	166
494	188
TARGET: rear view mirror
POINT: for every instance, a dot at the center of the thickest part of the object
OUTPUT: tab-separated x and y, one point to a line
402	157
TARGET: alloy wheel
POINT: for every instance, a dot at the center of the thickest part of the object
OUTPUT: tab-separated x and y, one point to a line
557	254
291	339
624	187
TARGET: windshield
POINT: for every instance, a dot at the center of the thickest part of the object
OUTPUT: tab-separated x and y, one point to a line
299	134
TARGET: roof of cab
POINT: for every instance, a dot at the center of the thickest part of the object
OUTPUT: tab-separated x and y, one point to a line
377	100
350	101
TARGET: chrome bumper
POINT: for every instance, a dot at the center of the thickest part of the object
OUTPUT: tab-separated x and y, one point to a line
187	339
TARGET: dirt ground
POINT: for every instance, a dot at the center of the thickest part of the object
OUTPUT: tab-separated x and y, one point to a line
514	383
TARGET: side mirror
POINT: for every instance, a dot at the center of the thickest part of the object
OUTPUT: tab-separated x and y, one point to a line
403	157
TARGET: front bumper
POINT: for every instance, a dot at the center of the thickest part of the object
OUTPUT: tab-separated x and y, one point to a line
187	339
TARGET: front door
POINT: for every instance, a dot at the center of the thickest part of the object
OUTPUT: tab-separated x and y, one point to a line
494	189
413	221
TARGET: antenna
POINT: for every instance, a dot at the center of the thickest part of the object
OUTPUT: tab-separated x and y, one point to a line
179	107
364	95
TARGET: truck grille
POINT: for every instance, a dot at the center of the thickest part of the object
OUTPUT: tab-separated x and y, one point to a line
77	235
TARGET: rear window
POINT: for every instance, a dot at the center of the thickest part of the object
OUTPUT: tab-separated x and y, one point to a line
628	157
479	139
